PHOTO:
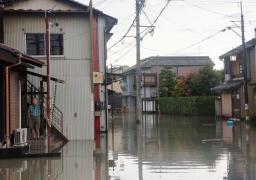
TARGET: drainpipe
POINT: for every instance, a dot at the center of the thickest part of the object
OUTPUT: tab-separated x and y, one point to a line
7	99
106	77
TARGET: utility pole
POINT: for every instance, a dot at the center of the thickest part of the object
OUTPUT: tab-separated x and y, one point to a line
112	95
138	72
246	107
47	53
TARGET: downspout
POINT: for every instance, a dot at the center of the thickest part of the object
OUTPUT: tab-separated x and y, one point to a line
7	99
106	78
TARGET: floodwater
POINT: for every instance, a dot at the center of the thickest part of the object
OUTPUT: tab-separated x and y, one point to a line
159	147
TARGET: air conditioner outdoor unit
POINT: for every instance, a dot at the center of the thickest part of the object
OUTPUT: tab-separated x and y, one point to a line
20	137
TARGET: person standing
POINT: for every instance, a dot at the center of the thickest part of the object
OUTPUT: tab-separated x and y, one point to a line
34	112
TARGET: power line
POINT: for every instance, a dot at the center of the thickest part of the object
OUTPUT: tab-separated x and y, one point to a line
121	50
124	36
119	58
201	41
205	9
151	29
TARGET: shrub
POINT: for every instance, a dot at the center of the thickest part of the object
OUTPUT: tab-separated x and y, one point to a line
196	105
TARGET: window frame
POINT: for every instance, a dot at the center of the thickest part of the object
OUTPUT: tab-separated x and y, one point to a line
40	56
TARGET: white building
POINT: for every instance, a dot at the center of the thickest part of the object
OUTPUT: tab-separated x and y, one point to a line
23	27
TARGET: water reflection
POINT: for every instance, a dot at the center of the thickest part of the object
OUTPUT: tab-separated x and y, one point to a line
160	147
77	163
174	147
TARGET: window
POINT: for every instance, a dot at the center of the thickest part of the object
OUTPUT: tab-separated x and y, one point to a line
56	44
35	44
149	80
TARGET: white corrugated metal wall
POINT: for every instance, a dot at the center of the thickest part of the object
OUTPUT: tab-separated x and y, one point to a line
74	97
102	58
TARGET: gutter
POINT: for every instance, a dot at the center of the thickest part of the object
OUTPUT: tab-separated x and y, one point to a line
7	99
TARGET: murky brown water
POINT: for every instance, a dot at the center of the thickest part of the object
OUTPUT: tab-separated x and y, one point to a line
166	148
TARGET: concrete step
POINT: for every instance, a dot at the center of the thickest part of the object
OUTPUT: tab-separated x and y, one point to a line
37	144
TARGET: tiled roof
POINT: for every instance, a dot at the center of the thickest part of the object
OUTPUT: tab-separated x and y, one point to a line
174	61
239	49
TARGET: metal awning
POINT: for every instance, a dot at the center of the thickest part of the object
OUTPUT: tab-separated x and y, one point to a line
44	77
228	86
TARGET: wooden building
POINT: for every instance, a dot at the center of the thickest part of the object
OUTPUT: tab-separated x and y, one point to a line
16	94
231	93
13	78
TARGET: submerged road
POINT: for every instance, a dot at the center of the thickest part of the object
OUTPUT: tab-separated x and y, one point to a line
160	147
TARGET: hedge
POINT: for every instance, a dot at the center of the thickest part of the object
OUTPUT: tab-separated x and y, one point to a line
196	105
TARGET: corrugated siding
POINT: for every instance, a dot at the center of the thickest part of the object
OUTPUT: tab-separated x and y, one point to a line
41	4
78	161
101	25
74	97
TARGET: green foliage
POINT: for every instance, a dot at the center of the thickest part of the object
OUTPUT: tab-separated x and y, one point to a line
182	87
202	82
197	105
167	83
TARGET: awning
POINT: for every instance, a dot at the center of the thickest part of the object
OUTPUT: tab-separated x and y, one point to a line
11	55
228	86
44	77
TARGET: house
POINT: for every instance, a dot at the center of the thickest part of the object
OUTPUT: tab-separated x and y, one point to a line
114	88
16	93
231	101
151	68
13	66
74	58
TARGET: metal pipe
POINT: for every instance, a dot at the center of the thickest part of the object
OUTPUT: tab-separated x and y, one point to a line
7	99
106	78
47	52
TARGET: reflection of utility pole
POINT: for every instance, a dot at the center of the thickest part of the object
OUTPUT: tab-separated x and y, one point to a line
245	66
247	153
138	72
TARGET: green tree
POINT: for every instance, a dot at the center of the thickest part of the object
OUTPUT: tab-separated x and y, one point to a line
166	82
182	86
202	82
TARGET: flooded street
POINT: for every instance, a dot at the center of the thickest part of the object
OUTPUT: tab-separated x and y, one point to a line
165	147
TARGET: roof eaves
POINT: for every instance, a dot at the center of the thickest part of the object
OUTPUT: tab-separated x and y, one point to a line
25	57
239	48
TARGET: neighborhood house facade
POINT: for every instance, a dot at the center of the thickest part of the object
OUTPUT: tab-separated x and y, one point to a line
23	28
151	68
230	100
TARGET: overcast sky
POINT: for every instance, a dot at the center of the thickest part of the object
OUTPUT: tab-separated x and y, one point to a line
186	27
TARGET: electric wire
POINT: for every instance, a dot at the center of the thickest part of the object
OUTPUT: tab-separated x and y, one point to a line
157	18
201	41
119	58
205	9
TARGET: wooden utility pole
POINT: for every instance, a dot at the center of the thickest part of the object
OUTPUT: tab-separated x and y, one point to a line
47	53
138	72
246	107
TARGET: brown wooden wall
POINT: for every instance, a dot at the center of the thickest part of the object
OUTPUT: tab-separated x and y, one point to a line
14	100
